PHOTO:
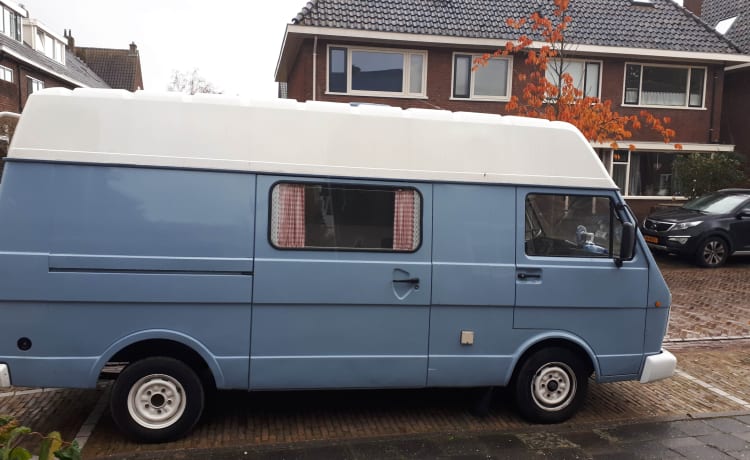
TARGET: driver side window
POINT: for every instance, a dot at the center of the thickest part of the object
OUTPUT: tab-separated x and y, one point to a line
571	226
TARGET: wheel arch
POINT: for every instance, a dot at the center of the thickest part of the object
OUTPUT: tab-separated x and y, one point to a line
721	233
164	343
551	339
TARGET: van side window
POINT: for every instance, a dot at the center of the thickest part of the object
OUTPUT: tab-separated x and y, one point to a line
571	226
345	217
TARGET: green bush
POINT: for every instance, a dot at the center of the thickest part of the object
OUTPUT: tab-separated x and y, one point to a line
699	173
50	447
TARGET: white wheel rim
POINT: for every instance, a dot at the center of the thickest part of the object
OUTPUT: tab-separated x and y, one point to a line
554	386
156	401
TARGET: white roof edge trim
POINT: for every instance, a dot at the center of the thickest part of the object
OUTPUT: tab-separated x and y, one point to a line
498	43
737	67
724	25
662	147
328	139
47	29
10	52
281	54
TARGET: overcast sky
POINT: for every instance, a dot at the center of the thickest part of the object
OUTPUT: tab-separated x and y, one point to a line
234	43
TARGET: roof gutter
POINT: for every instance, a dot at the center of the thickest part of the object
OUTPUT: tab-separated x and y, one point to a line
650	146
15	55
737	67
315	69
357	34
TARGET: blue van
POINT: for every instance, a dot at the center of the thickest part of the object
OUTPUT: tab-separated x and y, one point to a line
217	242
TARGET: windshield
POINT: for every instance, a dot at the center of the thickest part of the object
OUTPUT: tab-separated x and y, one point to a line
716	203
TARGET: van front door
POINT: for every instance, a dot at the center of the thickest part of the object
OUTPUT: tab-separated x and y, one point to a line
567	280
342	284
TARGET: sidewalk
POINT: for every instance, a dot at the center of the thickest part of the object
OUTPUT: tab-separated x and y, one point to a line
726	437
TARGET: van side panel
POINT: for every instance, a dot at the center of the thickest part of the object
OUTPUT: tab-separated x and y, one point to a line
324	318
25	218
473	287
128	250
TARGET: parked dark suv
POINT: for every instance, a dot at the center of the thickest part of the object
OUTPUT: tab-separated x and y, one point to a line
708	229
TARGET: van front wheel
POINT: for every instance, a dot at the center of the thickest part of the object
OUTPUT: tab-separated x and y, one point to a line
157	399
551	385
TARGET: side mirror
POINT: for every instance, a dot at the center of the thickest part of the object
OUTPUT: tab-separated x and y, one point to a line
627	243
744	212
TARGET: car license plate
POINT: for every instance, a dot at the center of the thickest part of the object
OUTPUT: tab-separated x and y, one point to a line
651	239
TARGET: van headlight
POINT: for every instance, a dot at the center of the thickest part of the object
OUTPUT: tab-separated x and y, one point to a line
685	225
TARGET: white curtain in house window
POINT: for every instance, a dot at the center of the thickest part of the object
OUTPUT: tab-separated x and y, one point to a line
659	98
635	186
492	79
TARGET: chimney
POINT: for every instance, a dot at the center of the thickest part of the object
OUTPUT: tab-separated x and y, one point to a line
71	41
694	6
133	49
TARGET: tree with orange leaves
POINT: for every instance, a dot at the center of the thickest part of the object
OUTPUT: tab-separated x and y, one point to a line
560	99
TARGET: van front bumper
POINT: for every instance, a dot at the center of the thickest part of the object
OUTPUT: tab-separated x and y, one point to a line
4	376
659	366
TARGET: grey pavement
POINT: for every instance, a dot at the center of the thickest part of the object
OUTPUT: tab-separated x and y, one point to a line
723	437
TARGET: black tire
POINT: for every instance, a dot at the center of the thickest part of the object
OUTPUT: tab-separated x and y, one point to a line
560	377
157	399
712	252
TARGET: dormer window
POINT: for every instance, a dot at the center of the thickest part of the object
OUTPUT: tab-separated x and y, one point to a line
49	46
11	24
723	26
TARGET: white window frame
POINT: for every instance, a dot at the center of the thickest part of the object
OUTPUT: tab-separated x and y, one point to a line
610	166
6	71
668	107
406	53
37	84
585	64
472	97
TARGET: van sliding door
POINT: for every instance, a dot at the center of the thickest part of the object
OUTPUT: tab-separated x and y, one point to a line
342	287
567	280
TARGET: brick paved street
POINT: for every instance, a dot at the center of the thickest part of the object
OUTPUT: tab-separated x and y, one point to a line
708	302
712	379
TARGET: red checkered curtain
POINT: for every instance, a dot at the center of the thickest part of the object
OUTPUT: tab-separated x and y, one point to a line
288	220
403	220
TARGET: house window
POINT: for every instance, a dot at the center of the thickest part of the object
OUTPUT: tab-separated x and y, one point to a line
645	173
490	82
664	86
35	85
50	47
11	24
6	74
585	74
571	226
376	72
345	217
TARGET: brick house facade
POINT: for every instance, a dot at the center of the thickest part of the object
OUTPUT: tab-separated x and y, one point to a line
732	19
439	34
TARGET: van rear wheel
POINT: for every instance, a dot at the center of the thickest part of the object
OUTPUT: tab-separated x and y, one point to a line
157	399
551	385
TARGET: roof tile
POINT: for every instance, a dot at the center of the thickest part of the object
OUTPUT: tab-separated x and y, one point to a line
664	26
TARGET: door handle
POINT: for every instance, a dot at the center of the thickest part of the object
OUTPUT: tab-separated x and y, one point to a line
409	280
525	276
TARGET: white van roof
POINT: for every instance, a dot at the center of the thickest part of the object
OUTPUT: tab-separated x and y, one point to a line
313	138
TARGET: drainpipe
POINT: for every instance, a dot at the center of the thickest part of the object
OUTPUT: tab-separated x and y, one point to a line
713	109
315	68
